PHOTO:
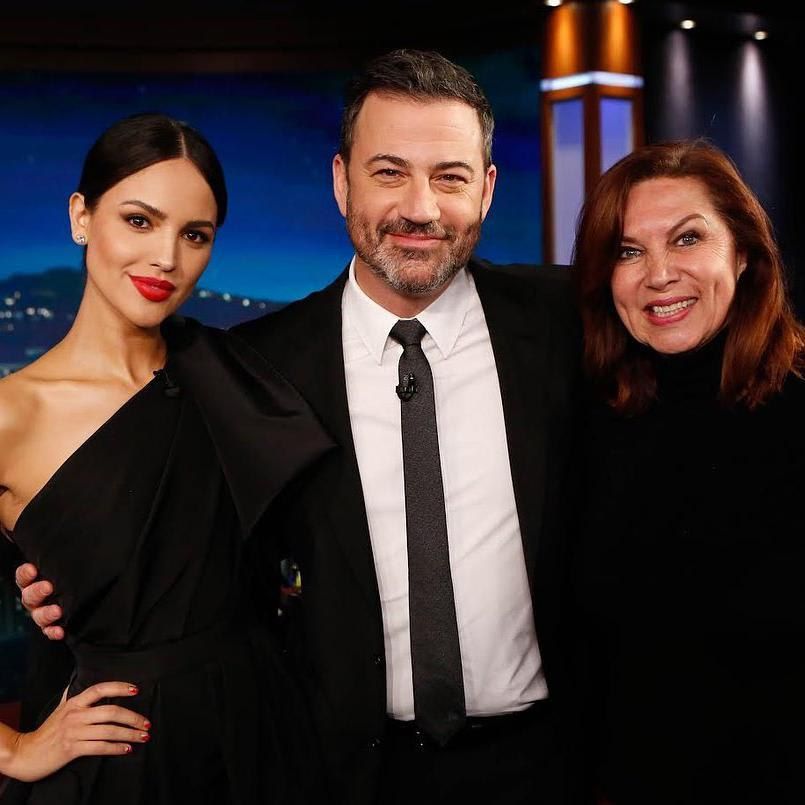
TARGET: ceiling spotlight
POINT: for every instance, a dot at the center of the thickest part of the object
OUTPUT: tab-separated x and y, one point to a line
626	2
760	35
553	3
686	25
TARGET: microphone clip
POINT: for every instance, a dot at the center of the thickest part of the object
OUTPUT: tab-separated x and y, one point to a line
407	387
170	389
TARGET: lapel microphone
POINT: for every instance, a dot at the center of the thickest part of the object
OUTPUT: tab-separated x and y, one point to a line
170	388
406	388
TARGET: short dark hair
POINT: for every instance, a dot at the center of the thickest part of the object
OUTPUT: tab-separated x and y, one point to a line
765	342
421	75
142	140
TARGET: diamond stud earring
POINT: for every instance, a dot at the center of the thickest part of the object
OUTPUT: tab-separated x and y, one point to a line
80	239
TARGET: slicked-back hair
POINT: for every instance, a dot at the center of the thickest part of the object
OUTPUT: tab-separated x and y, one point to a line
418	75
142	140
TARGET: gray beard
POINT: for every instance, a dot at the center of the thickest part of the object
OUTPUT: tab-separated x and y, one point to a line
389	270
391	267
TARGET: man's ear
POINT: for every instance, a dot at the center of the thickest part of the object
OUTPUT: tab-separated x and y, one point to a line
489	190
340	183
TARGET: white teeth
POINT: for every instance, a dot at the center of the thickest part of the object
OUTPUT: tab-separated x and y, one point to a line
667	310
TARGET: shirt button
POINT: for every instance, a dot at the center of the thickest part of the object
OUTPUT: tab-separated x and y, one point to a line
374	743
379	660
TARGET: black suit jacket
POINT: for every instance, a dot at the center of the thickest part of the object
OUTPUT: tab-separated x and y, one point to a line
334	632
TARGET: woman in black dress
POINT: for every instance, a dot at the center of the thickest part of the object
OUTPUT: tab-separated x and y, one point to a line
688	572
122	479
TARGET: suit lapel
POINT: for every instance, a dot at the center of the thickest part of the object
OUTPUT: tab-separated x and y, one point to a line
317	370
519	342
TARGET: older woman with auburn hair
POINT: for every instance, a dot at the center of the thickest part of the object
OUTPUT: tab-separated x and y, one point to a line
690	562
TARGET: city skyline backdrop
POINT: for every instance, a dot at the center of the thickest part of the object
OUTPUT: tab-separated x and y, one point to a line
275	135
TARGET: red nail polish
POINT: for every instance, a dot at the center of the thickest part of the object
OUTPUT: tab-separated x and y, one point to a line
147	725
145	737
127	749
133	689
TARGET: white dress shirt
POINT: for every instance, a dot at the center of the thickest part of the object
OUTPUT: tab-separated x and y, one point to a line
499	652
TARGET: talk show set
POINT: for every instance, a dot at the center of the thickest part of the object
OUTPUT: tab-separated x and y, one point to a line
403	406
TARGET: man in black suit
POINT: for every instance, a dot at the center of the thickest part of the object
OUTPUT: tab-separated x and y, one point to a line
427	634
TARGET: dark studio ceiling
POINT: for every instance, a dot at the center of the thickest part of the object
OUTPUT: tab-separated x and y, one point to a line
307	25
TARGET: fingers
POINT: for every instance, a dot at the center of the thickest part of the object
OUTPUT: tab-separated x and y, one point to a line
111	732
36	594
53	632
105	729
45	616
103	690
82	748
25	574
113	714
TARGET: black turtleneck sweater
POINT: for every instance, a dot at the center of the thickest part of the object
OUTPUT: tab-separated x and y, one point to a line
689	576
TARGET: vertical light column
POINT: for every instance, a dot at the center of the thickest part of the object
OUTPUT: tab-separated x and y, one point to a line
592	111
567	150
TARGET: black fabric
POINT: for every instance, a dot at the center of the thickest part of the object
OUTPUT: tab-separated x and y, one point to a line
139	531
439	706
503	760
689	579
334	631
10	558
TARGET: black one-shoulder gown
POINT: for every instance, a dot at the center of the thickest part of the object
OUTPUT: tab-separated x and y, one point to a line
141	531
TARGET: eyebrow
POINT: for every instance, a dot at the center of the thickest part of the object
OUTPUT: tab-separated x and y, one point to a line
395	160
404	163
687	218
676	226
457	163
157	213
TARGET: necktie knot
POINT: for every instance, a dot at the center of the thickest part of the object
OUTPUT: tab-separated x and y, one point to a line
408	332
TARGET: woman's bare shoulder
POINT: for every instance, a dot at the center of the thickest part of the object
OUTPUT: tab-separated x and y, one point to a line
22	393
19	397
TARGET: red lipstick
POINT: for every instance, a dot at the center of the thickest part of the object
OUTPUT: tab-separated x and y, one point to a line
153	289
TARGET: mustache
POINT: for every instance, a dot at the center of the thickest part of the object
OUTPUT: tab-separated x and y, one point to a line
403	226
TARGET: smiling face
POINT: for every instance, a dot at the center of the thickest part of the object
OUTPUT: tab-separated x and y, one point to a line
414	194
677	269
149	238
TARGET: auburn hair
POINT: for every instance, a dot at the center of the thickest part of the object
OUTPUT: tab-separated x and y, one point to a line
764	341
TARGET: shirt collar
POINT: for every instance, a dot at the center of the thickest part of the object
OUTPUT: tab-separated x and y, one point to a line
443	318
